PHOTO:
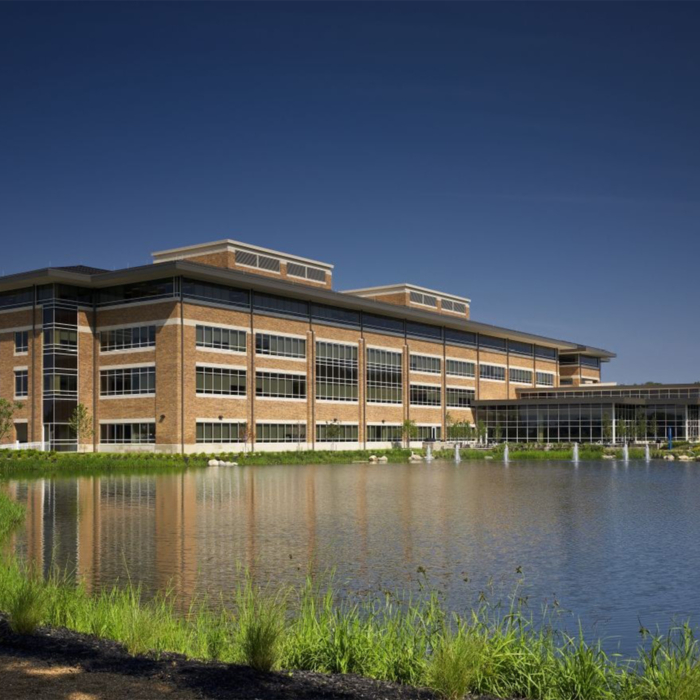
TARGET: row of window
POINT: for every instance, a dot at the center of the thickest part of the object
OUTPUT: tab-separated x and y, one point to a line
243	298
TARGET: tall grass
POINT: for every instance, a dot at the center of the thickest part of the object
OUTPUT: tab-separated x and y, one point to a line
395	638
411	641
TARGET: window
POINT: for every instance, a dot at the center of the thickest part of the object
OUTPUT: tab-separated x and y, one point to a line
60	339
21	342
517	348
128	293
494	373
337	432
384	433
216	338
21	432
545	378
221	381
128	433
334	314
425	363
460	368
280	305
17	297
280	432
385	324
545	353
520	376
217	293
427	433
458	398
61	384
220	432
568	359
279	345
280	386
463	338
423	299
128	338
587	361
306	272
384	376
488	342
336	372
425	395
423	330
126	381
21	383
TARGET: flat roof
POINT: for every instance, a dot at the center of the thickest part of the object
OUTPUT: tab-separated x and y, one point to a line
402	287
248	280
228	244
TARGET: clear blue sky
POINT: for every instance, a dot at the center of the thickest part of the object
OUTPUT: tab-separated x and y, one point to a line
542	159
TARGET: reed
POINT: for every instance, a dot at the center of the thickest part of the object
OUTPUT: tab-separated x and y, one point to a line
410	640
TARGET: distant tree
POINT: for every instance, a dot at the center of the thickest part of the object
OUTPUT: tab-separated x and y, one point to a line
332	432
640	424
654	428
244	436
607	427
498	432
449	426
409	430
621	430
80	423
7	414
481	430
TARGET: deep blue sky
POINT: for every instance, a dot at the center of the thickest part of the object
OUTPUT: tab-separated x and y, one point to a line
542	159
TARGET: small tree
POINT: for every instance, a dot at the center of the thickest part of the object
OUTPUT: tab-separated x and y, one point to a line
81	422
498	432
244	436
481	430
607	427
7	414
450	426
409	430
622	430
332	432
654	428
641	424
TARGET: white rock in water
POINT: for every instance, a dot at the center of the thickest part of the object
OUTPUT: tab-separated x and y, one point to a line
383	459
669	458
213	462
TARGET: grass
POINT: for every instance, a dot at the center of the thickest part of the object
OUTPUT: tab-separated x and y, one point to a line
413	641
30	463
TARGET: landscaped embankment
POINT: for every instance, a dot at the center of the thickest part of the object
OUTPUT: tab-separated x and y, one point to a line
412	642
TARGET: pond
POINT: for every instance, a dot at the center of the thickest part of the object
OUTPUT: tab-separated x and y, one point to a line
616	545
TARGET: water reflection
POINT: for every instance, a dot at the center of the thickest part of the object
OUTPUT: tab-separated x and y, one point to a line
613	545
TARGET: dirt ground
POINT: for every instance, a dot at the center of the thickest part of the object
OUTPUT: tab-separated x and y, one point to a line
57	664
36	679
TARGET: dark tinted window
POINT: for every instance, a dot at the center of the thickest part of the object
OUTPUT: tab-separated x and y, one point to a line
382	323
280	305
219	293
125	293
518	348
17	297
460	337
491	343
423	330
590	361
334	314
546	353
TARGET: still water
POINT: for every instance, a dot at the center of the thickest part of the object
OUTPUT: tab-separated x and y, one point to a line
615	545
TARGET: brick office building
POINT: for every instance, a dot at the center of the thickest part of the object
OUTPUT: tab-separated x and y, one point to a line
217	345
